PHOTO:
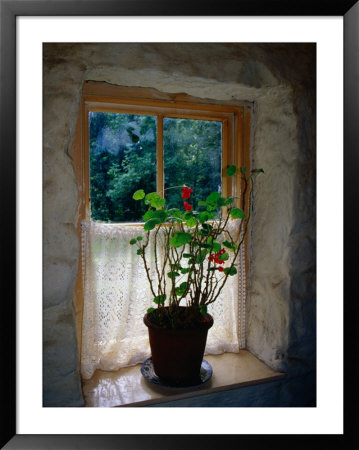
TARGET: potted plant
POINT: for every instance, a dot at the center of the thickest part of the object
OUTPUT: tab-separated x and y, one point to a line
194	254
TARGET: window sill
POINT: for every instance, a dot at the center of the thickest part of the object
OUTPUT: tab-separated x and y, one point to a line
127	387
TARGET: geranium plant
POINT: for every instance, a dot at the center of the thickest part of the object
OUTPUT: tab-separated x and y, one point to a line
194	251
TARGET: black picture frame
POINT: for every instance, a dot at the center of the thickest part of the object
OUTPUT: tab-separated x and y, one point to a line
9	10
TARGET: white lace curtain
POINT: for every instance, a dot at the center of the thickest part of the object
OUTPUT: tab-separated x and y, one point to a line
117	296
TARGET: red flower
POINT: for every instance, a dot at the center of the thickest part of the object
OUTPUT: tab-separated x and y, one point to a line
215	258
220	268
186	192
187	206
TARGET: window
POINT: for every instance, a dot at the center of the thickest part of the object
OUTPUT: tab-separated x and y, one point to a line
165	122
132	138
124	158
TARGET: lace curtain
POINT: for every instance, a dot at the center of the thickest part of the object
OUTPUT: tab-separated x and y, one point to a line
117	296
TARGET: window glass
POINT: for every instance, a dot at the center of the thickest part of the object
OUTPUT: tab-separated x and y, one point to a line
122	160
192	156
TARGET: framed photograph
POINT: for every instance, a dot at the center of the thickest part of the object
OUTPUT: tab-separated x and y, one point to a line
257	51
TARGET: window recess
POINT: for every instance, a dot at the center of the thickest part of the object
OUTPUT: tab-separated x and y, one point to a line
162	140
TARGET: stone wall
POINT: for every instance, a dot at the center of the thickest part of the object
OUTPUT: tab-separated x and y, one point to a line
280	80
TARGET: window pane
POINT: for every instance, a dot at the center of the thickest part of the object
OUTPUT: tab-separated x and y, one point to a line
122	160
192	156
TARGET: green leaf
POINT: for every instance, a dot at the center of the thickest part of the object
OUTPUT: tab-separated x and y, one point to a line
222	201
181	289
203	310
237	213
139	251
231	170
160	299
215	246
151	223
191	222
139	195
160	214
204	245
223	257
244	169
203	216
212	199
133	241
228	201
150	310
174	219
155	200
187	255
206	229
173	274
139	238
201	256
230	270
148	215
207	215
228	245
151	196
159	203
174	212
185	270
180	238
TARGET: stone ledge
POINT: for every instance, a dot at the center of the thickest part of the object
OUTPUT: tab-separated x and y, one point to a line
127	387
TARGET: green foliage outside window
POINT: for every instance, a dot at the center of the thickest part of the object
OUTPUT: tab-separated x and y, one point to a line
123	160
192	156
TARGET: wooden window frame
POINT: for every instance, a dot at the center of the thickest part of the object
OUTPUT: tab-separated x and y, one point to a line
236	118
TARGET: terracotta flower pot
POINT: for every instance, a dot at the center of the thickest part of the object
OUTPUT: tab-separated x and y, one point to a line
177	354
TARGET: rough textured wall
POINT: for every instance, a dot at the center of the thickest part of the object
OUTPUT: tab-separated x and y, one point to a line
280	80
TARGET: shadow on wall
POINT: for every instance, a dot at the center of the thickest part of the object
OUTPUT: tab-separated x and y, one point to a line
301	354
